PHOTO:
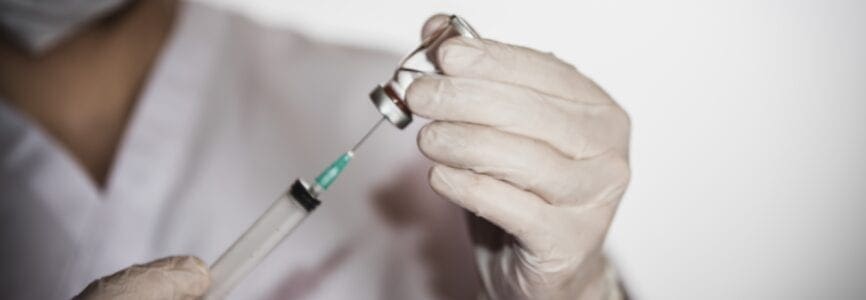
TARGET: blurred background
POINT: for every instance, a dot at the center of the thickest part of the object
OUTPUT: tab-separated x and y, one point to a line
749	135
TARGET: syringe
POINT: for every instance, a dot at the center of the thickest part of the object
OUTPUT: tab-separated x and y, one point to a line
284	215
293	207
327	177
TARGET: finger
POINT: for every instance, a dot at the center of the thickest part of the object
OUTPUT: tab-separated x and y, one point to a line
525	163
432	26
177	277
578	130
491	60
434	23
518	212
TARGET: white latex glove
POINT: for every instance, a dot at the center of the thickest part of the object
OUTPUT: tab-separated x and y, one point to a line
176	277
525	141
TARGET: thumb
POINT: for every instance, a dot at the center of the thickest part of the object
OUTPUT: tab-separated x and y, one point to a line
433	23
175	277
433	34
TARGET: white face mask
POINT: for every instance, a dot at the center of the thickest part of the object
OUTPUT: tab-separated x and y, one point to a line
38	25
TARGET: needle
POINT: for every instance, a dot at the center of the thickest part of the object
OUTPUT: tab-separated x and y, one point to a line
369	132
329	175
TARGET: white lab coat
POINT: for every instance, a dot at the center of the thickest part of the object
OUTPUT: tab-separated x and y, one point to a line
231	114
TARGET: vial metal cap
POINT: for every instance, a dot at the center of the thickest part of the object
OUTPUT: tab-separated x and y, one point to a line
390	97
391	106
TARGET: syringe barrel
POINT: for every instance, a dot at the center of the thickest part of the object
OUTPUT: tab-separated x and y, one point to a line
284	215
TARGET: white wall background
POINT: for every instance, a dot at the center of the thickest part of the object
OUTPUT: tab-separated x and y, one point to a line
749	142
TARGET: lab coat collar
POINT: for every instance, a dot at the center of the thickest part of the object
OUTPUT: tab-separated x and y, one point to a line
159	138
157	142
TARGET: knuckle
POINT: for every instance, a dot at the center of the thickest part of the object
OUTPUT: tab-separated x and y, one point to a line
622	171
616	116
622	117
627	119
609	177
625	126
612	128
619	176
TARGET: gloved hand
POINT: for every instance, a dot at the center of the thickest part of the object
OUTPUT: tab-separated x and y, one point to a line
176	277
526	142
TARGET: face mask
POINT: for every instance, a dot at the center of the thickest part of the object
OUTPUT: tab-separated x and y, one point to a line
38	25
